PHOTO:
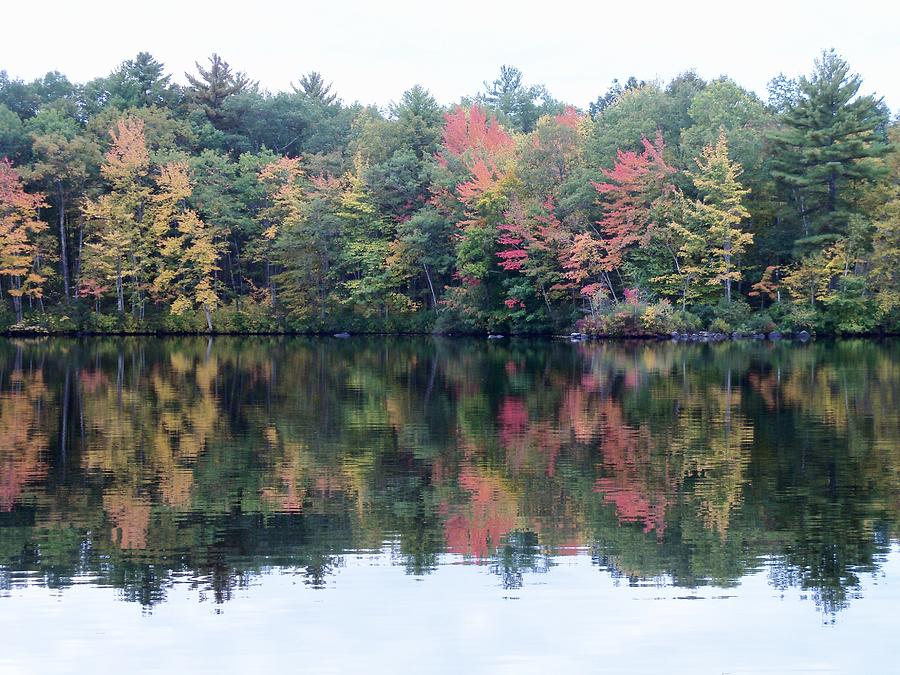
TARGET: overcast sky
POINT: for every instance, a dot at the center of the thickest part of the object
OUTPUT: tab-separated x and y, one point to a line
373	51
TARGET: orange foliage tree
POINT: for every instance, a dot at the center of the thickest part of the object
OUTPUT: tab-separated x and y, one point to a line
19	230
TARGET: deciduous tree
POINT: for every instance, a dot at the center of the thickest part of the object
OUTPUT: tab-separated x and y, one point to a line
19	228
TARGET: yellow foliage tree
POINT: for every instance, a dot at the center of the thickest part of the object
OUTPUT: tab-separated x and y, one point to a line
19	227
117	247
720	212
189	252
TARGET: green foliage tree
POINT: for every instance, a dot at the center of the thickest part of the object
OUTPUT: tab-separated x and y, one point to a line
313	85
14	142
516	104
63	166
212	86
823	148
515	213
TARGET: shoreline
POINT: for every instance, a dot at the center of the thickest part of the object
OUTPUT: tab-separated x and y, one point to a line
703	337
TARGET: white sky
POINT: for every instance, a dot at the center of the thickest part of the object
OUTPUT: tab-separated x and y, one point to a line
373	51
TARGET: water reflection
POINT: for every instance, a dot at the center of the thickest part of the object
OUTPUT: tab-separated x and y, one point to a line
140	462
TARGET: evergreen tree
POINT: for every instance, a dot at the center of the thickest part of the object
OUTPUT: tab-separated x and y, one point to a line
517	104
141	82
826	136
214	85
615	91
313	86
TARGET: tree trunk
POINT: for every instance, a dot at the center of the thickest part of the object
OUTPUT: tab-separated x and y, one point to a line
79	252
17	299
431	287
547	301
728	271
120	294
832	192
63	249
610	284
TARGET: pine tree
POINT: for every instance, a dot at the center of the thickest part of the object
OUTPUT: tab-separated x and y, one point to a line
313	85
214	85
884	275
826	136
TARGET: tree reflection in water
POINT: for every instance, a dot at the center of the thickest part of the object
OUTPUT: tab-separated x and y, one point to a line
141	462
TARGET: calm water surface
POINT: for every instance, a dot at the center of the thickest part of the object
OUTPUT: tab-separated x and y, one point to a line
433	505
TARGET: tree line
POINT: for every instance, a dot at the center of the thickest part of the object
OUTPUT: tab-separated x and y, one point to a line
132	203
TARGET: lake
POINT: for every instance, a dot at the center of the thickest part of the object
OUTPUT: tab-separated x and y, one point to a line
443	505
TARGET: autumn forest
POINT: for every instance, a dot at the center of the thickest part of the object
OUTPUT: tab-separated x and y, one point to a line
131	203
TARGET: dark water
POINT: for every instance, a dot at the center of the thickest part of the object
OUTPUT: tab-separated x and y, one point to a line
433	505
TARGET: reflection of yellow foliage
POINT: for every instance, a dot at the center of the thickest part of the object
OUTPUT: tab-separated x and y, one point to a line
285	486
155	430
713	443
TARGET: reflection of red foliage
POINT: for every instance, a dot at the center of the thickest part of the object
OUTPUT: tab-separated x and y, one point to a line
518	434
631	505
21	445
92	380
632	378
581	418
478	527
15	474
631	487
513	419
328	484
767	387
289	495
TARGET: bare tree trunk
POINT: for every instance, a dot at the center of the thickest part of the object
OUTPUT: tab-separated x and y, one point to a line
80	250
17	304
63	249
64	422
120	294
610	284
727	248
547	301
431	287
